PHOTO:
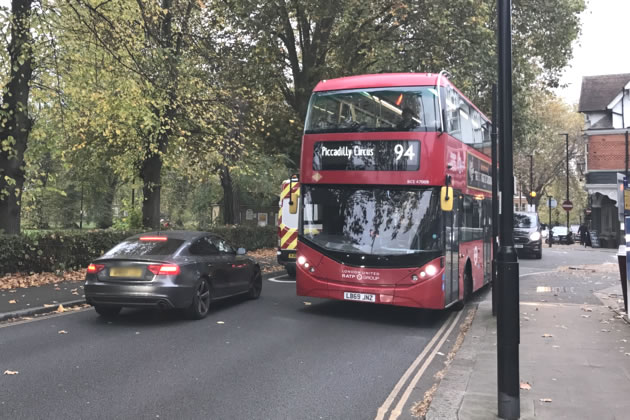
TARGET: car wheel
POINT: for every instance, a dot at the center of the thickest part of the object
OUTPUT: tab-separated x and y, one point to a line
256	287
539	255
107	311
201	300
467	291
290	270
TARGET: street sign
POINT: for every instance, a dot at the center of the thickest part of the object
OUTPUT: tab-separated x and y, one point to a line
567	205
554	203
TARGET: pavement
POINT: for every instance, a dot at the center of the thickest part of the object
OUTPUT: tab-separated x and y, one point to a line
574	352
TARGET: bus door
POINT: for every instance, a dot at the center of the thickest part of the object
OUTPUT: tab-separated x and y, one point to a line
487	240
451	272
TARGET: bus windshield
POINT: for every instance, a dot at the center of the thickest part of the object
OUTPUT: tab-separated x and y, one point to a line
388	109
372	221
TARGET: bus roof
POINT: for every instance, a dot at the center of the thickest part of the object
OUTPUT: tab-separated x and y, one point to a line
384	80
378	80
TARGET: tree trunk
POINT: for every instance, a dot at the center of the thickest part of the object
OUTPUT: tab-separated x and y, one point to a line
230	210
105	218
151	188
15	124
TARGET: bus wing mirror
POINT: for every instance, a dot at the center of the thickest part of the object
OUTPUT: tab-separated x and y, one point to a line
293	203
446	198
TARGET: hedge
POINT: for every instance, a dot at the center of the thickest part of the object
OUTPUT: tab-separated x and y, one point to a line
71	250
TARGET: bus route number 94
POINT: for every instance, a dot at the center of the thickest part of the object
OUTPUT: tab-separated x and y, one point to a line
400	151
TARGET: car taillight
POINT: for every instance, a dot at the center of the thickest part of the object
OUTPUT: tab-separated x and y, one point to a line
95	268
165	269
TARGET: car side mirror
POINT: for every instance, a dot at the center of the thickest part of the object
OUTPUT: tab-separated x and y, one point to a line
241	251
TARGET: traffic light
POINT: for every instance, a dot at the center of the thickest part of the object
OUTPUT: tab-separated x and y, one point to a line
532	196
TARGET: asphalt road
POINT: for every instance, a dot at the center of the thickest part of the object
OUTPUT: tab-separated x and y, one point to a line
272	358
280	357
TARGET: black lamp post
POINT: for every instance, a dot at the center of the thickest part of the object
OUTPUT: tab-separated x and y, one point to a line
532	195
549	235
566	137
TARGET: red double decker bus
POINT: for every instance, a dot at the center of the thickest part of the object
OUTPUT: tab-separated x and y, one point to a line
396	192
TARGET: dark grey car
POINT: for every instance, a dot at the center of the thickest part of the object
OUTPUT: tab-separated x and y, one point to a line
174	269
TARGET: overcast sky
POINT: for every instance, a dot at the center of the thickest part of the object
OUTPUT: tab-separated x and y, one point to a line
603	46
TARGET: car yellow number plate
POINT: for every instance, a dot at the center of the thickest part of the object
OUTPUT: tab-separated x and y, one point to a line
125	272
292	255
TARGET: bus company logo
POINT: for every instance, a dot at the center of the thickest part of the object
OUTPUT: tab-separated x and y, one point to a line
347	151
360	275
456	162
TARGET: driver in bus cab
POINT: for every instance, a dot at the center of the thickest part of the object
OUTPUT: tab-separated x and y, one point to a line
409	120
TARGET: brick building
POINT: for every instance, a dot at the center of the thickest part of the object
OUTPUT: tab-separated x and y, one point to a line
605	102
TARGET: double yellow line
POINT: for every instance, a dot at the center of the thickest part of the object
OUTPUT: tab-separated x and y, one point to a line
428	354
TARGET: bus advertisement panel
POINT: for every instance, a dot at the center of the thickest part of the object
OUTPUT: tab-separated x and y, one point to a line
376	153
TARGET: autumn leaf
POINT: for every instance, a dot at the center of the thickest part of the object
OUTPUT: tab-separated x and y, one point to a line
547	335
220	322
12	301
526	386
62	332
546	400
60	309
11	372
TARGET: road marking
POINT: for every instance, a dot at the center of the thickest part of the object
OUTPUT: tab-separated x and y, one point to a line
382	410
277	279
403	400
537	272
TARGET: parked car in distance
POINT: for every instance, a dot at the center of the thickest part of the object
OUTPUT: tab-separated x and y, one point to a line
527	234
173	269
561	235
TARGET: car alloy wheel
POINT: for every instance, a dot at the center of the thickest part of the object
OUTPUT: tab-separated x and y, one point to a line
201	300
256	287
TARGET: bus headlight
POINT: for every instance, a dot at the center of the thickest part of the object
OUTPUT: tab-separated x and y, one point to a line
301	260
431	270
535	236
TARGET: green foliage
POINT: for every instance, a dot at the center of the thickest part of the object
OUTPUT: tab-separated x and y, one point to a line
248	237
54	251
43	251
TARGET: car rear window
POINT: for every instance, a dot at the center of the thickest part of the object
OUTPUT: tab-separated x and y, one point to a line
136	247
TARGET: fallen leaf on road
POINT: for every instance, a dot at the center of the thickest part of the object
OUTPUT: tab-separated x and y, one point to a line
586	316
57	288
526	386
547	335
60	309
48	305
546	400
75	293
440	353
307	303
12	301
587	309
220	322
62	332
11	372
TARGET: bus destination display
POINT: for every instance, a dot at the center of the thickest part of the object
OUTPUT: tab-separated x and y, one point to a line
373	155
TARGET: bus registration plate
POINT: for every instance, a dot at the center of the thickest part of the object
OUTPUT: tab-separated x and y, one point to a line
362	297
